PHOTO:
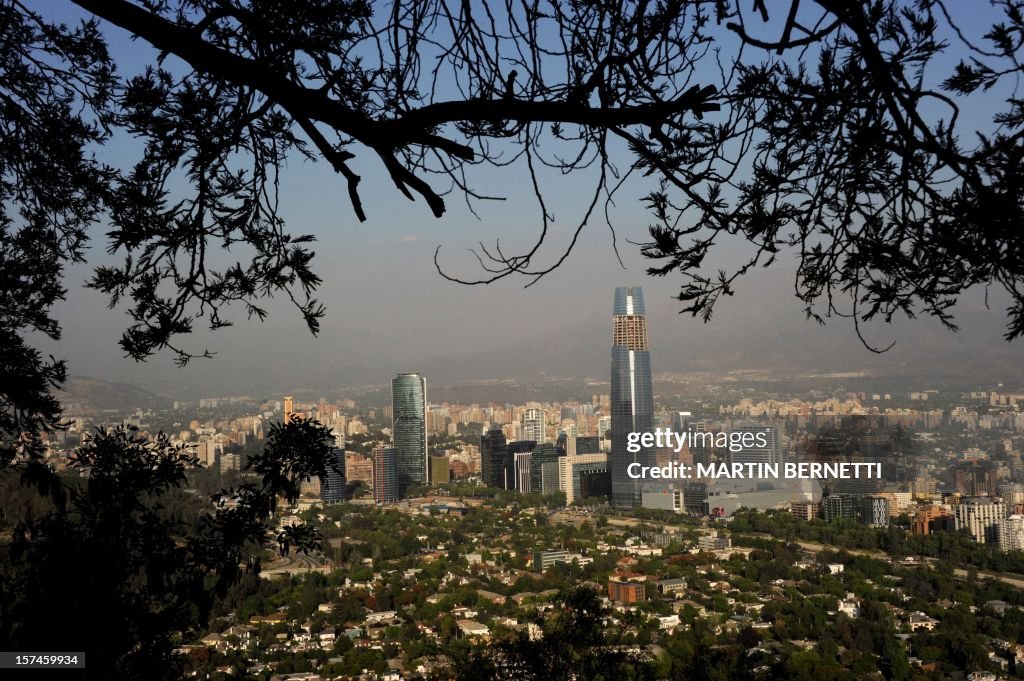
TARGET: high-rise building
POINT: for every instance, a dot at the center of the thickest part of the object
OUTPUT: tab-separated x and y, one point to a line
583	444
1012	494
385	475
359	468
873	446
577	470
874	510
311	487
681	421
805	510
209	452
519	455
409	400
289	408
771	453
981	516
632	394
1011	533
836	506
923	487
976	478
549	477
931	519
533	425
333	489
541	455
695	498
439	470
521	466
494	459
229	462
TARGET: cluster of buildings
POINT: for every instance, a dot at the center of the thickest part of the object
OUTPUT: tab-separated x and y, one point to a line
996	520
497	582
522	455
583	450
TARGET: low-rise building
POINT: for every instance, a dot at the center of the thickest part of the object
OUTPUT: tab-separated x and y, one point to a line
472	629
627	588
671	586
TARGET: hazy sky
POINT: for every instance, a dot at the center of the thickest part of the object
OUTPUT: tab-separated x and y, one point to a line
380	287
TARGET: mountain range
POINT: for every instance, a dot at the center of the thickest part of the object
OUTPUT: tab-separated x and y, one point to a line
762	327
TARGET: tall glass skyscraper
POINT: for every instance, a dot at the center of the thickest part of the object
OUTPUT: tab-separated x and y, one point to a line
494	466
332	490
409	432
632	398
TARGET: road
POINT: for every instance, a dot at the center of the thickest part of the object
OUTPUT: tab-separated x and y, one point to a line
293	564
1012	579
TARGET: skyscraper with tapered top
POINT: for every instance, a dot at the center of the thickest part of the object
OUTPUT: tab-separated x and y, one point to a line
632	393
409	420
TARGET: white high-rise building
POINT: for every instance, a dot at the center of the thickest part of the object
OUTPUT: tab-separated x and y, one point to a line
572	466
771	453
981	516
1011	533
1012	493
521	466
533	425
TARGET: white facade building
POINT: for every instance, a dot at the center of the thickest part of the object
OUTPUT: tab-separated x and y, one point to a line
1011	533
981	516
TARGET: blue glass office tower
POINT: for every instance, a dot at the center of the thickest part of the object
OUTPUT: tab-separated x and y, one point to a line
409	432
632	398
332	489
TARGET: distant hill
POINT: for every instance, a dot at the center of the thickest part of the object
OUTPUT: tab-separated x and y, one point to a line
760	329
84	394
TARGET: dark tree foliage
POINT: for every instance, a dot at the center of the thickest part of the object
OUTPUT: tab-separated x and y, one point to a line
51	190
122	559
